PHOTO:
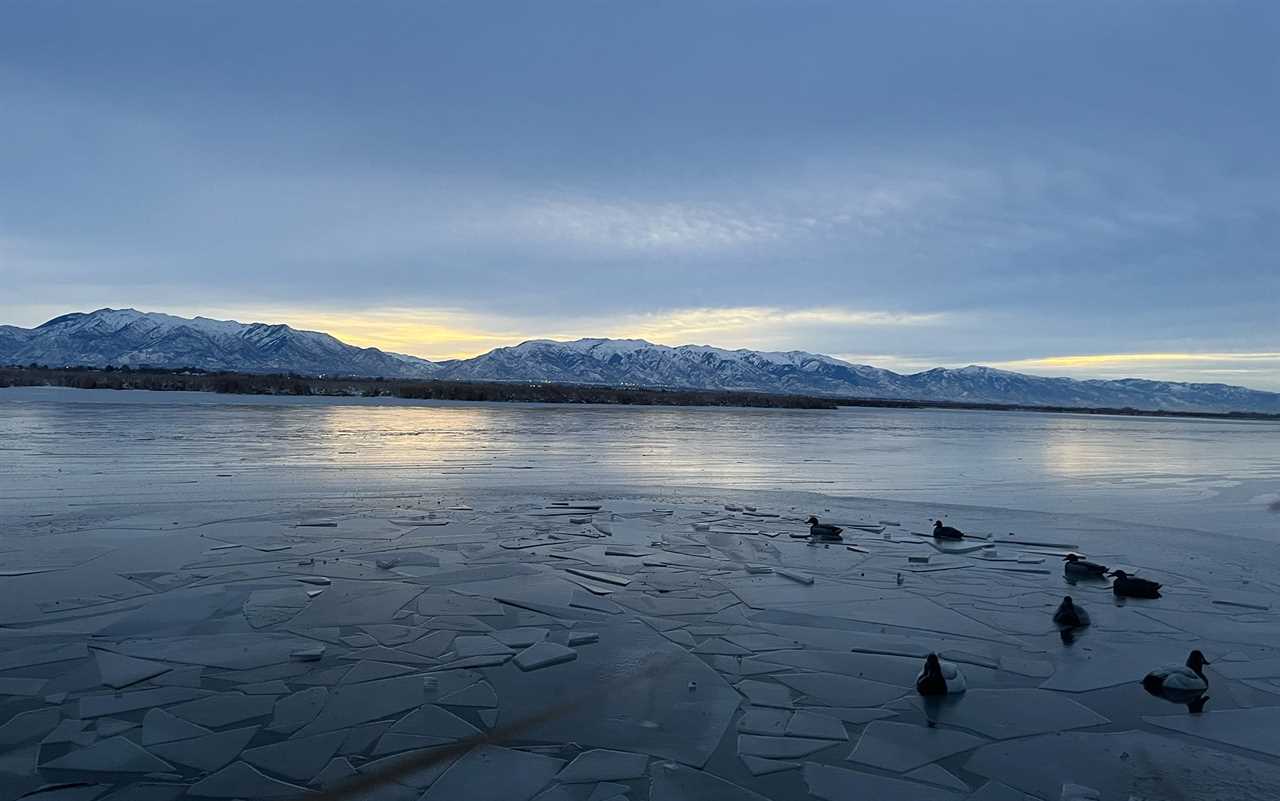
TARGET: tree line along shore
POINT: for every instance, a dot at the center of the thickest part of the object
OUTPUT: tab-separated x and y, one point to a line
195	380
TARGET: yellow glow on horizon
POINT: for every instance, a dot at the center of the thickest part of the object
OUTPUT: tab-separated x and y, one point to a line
451	333
1104	359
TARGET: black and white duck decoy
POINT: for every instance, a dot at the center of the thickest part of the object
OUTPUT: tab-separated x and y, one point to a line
939	678
1134	587
822	531
1076	566
1181	684
1070	615
942	532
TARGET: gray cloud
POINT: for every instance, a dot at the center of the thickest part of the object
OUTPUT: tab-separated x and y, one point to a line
1053	181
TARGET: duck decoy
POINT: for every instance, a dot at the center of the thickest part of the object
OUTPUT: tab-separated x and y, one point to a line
1181	684
1070	615
1077	566
942	532
1134	587
939	678
822	531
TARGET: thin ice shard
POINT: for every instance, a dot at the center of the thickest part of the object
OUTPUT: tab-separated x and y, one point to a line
114	755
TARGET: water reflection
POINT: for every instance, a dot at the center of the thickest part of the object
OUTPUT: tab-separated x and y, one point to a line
1188	473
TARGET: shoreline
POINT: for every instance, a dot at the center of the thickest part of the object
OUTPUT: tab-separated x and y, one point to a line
389	391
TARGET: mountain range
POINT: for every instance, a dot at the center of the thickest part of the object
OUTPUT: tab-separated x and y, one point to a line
127	336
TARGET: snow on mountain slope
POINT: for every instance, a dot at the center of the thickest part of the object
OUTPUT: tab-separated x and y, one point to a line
127	336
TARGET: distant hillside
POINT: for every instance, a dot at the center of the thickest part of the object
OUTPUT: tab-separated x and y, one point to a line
126	336
120	337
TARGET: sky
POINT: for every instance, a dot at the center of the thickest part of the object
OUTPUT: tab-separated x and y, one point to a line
1084	188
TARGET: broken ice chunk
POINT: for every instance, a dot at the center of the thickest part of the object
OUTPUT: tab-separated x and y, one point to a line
675	781
521	637
811	724
491	773
837	784
900	747
27	726
239	780
794	575
766	693
764	720
759	766
223	709
312	654
779	747
544	654
295	711
119	671
300	759
602	764
209	752
159	726
114	755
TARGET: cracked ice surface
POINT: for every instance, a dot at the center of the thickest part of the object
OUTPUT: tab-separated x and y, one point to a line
151	650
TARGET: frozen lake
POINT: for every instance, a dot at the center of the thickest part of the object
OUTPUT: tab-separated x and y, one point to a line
241	598
1209	475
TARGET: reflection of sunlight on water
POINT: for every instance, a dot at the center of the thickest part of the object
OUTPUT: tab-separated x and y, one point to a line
1111	466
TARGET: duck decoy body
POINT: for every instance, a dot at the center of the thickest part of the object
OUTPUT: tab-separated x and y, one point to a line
822	531
946	532
939	678
1070	615
1079	567
1134	587
1181	684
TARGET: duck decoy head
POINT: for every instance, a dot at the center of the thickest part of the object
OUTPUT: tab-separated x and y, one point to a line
1120	574
813	521
1067	602
1072	557
932	665
1196	662
937	524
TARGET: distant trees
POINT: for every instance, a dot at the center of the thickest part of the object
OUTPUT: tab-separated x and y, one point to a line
254	384
194	380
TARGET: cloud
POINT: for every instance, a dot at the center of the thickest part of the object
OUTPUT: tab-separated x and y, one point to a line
1254	369
1107	359
458	333
1020	185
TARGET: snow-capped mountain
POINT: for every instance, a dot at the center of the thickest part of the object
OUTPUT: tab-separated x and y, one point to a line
634	362
126	336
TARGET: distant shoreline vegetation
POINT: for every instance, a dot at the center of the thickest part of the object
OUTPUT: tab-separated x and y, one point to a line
234	383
